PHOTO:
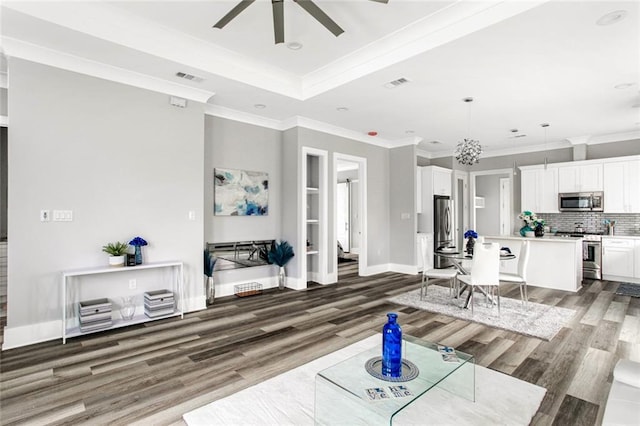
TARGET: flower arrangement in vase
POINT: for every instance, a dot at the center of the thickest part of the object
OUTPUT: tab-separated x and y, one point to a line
138	243
280	254
531	224
471	236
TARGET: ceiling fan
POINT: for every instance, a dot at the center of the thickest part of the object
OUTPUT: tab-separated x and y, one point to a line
278	16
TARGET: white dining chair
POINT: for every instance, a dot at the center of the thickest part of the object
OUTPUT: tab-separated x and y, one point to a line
484	272
520	277
428	271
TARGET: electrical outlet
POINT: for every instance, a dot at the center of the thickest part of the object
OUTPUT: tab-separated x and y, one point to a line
132	284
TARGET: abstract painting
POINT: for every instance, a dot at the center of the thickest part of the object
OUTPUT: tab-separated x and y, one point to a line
240	193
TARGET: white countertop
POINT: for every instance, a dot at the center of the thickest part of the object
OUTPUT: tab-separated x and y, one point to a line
546	238
624	237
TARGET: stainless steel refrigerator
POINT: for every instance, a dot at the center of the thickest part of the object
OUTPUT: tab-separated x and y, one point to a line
443	228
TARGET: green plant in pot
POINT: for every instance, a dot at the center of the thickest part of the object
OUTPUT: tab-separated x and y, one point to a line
117	252
209	265
280	254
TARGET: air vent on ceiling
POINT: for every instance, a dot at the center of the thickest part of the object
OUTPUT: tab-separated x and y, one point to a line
517	136
190	77
396	83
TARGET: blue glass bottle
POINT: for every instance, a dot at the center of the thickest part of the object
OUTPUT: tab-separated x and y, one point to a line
392	347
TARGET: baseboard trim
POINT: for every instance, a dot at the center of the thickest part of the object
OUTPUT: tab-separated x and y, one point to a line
620	279
375	269
403	269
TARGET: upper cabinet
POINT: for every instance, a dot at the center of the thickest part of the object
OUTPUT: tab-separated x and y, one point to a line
435	181
539	189
621	193
580	178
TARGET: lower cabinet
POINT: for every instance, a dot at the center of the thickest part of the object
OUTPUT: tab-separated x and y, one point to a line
619	258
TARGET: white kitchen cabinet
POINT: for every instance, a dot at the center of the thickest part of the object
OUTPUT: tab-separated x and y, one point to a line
441	181
621	193
539	189
636	257
580	178
435	181
618	258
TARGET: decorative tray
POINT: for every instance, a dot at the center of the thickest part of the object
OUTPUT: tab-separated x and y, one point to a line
409	370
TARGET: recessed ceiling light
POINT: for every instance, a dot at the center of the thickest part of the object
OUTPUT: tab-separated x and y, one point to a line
260	106
435	143
611	17
342	109
514	130
294	45
623	86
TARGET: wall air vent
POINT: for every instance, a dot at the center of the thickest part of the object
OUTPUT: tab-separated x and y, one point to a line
189	77
396	83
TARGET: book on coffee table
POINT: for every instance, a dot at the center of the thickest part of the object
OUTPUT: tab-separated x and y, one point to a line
448	354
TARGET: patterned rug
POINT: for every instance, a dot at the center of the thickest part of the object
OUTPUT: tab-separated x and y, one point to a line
629	289
541	321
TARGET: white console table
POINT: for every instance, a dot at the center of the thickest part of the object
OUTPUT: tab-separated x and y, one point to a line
71	281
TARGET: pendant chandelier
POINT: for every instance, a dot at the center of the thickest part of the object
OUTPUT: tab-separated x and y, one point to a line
468	151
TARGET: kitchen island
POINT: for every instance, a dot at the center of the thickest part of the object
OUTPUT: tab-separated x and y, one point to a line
554	262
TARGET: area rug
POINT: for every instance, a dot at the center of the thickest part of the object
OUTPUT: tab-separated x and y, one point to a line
541	321
288	399
629	289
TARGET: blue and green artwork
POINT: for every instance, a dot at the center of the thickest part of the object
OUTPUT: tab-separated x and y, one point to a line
240	193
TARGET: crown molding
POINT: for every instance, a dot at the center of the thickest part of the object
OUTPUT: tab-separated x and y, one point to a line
31	52
243	117
614	137
320	126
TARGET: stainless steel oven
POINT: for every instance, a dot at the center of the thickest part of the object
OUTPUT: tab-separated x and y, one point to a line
592	257
581	201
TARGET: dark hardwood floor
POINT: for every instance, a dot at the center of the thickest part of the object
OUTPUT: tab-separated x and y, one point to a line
153	373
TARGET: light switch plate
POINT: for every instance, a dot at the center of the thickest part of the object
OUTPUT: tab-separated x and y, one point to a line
45	215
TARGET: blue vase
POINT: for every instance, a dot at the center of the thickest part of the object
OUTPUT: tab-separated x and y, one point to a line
392	347
138	255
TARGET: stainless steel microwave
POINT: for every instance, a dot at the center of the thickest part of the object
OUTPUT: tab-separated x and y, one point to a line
581	202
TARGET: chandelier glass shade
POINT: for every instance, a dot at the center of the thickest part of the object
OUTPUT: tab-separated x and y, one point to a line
468	152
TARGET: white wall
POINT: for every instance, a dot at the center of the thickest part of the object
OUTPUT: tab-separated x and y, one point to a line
122	159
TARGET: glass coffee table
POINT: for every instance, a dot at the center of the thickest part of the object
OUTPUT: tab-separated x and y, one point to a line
347	394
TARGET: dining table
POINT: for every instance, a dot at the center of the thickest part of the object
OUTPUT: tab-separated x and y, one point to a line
458	259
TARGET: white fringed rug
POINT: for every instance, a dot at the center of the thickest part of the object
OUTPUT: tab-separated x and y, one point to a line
288	399
541	321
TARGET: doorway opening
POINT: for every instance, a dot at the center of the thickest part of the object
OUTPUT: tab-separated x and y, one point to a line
349	213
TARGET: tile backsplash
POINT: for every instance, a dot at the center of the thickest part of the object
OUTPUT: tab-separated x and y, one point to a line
626	224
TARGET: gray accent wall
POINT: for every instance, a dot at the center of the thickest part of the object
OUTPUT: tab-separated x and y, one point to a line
488	218
4	110
402	201
234	145
613	149
121	158
377	189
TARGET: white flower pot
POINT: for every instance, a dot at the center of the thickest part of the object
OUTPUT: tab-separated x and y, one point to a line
116	260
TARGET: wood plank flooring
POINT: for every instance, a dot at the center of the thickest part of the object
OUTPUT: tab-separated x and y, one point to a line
153	373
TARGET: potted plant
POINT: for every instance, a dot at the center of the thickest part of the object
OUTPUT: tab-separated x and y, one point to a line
117	252
209	265
280	254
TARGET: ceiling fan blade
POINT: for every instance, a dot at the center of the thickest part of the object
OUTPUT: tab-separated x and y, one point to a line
233	13
278	20
320	16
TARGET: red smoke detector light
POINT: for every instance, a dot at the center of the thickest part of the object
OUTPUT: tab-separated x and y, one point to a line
372	133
